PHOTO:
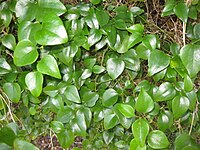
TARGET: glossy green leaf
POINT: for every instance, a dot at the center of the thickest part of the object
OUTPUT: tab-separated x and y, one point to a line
27	30
142	51
123	47
196	31
65	138
48	65
183	141
115	67
168	9
140	129
136	10
6	16
157	139
71	94
23	145
188	84
90	98
34	82
53	31
51	90
180	105
55	6
166	91
86	74
4	66
150	41
110	120
13	91
9	41
135	146
181	11
157	62
25	53
98	69
7	135
108	137
110	97
57	126
112	36
126	110
95	2
190	56
144	102
102	14
134	39
120	24
136	28
192	96
143	84
165	120
65	115
94	36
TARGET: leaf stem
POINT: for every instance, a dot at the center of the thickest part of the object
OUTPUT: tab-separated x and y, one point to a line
193	115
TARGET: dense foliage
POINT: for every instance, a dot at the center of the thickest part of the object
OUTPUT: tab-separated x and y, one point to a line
93	71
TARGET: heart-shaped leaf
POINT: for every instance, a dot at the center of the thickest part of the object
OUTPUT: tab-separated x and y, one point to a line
115	67
157	62
140	129
34	81
110	97
48	65
25	53
181	10
165	120
144	102
126	110
13	91
53	31
180	105
9	41
94	36
189	55
157	140
188	84
71	94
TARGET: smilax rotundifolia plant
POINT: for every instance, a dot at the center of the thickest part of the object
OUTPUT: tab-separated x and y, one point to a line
92	71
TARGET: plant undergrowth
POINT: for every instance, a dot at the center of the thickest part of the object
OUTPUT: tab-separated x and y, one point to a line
117	74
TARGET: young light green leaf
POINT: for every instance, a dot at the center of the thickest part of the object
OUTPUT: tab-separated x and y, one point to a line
23	145
126	110
181	11
135	146
188	84
34	82
157	62
4	66
157	140
180	105
53	31
190	56
71	94
9	41
98	69
48	65
13	91
25	53
115	67
165	120
140	129
144	102
136	28
110	97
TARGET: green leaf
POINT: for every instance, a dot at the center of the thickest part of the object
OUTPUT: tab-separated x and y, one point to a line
144	102
126	110
95	2
193	12
54	6
94	36
102	14
134	39
168	9
180	105
57	126
110	120
98	69
123	47
157	62
196	31
188	84
23	145
27	30
7	135
150	41
166	91
6	16
86	74
53	31
140	129
25	53
51	90
165	120
189	55
4	66
183	141
48	65
90	98
65	138
9	41
110	97
34	82
71	94
142	51
108	137
13	91
157	140
112	36
65	115
115	67
136	28
181	11
135	146
136	11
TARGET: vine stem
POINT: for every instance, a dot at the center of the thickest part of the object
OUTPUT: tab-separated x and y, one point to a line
193	115
184	32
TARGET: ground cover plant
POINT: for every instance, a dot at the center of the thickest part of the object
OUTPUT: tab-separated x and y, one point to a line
101	72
